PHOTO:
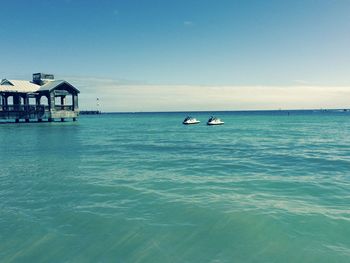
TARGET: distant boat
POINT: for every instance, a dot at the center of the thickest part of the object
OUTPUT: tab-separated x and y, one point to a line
189	120
214	121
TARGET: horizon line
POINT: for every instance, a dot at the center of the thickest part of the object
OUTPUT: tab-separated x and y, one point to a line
205	111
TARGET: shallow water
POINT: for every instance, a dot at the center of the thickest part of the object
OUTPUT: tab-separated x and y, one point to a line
264	187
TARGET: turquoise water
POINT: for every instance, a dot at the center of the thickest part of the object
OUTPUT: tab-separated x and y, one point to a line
264	187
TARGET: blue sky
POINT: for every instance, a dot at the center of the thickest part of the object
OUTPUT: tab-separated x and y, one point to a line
172	43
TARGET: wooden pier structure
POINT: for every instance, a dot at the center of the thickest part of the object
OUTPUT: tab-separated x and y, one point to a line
43	98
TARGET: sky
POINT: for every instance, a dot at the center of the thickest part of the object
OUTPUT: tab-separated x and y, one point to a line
162	55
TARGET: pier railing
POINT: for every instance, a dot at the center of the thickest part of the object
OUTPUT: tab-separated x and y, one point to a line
24	108
33	108
64	107
36	111
22	111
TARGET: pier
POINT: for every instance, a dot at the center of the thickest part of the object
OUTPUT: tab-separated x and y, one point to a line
43	98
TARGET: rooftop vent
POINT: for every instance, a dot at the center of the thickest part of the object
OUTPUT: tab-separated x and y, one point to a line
42	78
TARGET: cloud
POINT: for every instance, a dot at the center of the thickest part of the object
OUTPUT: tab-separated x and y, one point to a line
122	96
305	82
188	23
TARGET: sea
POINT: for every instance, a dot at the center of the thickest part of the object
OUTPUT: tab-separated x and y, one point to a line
267	186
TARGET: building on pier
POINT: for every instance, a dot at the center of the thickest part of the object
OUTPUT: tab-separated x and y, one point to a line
43	98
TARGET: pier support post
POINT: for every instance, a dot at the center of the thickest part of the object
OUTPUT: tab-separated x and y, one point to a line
74	119
62	119
17	121
27	120
40	120
50	119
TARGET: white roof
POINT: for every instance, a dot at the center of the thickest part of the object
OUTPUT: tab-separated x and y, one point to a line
18	86
25	86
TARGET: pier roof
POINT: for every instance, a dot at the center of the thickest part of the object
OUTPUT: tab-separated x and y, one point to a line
24	86
56	83
18	86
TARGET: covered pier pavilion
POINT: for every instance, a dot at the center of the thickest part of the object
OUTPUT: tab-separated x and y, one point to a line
43	98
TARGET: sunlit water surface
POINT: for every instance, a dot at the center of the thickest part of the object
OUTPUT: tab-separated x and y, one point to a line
264	187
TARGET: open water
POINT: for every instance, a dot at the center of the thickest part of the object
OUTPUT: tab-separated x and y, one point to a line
264	187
